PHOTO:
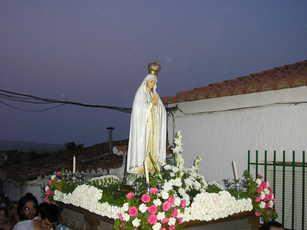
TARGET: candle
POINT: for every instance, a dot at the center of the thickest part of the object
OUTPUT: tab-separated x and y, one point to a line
74	165
146	171
235	170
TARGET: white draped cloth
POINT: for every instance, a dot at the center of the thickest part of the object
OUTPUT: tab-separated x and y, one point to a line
147	128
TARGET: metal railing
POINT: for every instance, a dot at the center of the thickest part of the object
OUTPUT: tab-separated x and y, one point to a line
286	172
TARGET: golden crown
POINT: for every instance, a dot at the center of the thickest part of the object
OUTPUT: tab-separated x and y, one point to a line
154	68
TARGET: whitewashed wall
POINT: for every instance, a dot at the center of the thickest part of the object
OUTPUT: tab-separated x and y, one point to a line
223	136
15	191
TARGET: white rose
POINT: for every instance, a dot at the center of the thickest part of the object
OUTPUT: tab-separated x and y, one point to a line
266	191
271	204
126	217
172	221
53	177
172	174
136	222
125	207
142	208
157	202
164	195
157	226
167	186
181	191
177	201
262	204
258	181
161	215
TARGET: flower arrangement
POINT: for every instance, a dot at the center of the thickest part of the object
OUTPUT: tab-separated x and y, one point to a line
153	210
180	195
53	184
263	198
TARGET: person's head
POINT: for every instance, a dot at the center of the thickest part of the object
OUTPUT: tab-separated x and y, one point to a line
151	83
272	225
4	215
50	215
27	207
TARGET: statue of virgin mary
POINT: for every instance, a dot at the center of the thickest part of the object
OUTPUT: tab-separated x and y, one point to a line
147	138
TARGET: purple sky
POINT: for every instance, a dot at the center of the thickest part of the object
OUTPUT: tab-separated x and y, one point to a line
96	51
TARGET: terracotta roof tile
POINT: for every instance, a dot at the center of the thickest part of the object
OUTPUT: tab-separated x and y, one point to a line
287	76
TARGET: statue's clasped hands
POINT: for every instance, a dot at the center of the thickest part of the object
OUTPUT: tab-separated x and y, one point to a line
155	99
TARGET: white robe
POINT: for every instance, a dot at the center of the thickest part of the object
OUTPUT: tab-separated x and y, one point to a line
140	127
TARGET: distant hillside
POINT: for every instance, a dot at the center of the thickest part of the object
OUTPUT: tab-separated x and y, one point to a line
28	146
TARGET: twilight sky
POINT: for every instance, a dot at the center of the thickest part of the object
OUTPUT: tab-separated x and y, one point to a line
96	52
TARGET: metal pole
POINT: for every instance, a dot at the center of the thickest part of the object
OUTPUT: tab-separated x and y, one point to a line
283	185
303	191
110	130
293	189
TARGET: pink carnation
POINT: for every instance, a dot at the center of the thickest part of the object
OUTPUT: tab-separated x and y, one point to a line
49	192
258	213
180	220
145	198
258	199
154	191
152	209
175	212
183	203
133	211
165	220
166	206
172	227
130	195
171	200
152	219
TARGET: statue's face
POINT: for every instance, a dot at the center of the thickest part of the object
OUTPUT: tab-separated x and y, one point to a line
151	84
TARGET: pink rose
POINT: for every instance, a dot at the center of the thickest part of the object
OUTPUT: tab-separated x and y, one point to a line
183	203
171	200
154	191
152	209
130	195
49	192
258	213
145	198
258	199
172	227
165	220
49	182
133	211
180	220
166	206
175	212
58	173
152	219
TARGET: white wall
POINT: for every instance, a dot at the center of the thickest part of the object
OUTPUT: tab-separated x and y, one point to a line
15	191
223	136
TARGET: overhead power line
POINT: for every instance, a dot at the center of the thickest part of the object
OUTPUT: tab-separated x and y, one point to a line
31	99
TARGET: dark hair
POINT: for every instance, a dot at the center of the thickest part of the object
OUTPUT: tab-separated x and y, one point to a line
29	197
50	212
267	226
